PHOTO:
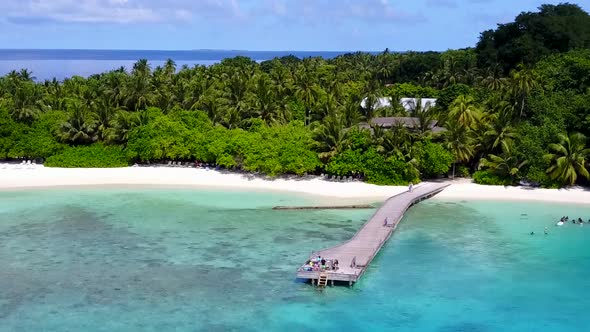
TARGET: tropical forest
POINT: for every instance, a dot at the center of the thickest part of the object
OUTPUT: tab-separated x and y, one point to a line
513	109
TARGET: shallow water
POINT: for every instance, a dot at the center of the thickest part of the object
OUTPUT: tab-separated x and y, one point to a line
160	260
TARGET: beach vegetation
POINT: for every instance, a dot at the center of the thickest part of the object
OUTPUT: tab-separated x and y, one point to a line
568	158
91	156
433	159
487	177
502	110
534	35
506	165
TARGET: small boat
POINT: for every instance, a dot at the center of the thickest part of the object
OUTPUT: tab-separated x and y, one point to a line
560	223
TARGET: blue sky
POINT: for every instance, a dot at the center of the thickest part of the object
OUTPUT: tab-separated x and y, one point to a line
328	25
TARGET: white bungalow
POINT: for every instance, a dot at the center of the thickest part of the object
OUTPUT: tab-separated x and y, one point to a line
410	103
407	103
380	103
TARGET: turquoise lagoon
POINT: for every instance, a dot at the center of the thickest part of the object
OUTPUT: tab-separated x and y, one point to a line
183	260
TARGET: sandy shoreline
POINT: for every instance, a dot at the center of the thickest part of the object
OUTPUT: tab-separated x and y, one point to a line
24	177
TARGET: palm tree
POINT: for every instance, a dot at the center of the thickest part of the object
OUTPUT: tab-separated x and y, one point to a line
497	135
568	158
104	114
282	79
329	106
451	73
306	91
330	136
26	102
350	113
423	113
113	86
169	68
234	98
459	140
162	82
431	78
122	124
387	66
371	99
497	126
493	80
465	111
80	128
211	104
139	89
265	105
334	87
55	97
522	83
505	165
26	75
191	90
395	141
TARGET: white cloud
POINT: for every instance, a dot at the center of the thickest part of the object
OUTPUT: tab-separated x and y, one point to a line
161	11
78	11
374	11
115	11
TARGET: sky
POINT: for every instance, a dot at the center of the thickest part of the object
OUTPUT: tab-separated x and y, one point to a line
272	25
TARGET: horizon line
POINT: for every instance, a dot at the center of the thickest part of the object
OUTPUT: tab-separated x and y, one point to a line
187	50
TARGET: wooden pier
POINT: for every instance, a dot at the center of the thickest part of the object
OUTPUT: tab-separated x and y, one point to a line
355	255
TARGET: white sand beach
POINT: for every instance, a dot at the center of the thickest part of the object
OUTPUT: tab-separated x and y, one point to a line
37	176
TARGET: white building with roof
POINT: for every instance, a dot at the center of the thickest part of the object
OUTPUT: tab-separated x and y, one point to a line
380	103
407	103
425	103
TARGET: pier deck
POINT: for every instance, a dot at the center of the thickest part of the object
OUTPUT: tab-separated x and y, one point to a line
355	255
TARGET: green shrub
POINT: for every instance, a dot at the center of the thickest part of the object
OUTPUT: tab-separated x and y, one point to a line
278	150
433	159
541	178
346	163
450	93
94	156
390	172
489	178
462	171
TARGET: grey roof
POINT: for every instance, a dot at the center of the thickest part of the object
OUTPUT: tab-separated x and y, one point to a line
407	122
389	122
438	130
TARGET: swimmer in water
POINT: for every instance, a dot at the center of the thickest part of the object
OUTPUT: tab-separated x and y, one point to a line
532	233
546	231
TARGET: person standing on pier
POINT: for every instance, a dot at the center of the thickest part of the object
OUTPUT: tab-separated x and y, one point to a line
410	187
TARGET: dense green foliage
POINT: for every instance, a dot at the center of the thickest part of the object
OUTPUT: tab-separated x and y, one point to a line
554	29
515	108
489	178
93	156
432	159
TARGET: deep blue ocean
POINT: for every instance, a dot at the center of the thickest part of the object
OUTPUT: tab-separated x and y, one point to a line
47	64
